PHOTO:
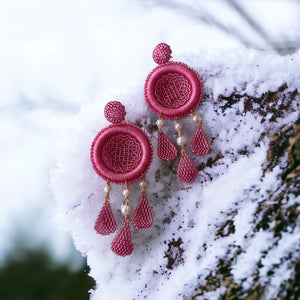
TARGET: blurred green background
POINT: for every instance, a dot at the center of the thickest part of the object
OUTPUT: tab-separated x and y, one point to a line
33	275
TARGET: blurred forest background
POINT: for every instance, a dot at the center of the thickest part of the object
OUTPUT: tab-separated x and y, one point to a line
55	57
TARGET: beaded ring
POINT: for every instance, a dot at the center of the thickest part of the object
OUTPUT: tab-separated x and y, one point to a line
122	153
173	91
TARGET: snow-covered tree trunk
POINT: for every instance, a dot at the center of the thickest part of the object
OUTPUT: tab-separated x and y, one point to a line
234	233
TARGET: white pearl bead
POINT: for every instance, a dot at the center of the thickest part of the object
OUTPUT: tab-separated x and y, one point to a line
178	126
126	209
196	118
126	193
160	123
143	184
182	140
107	189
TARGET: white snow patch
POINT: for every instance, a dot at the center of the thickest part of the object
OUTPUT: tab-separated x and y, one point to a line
199	209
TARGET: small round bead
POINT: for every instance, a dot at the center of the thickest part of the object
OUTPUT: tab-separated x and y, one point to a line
107	189
160	123
162	53
178	126
182	140
143	184
126	209
196	118
114	112
126	193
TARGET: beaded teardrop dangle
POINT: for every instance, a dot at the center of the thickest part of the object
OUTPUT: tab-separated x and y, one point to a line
200	144
106	223
186	171
166	150
142	216
122	243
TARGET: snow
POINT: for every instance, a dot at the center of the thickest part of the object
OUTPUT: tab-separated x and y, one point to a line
58	58
195	212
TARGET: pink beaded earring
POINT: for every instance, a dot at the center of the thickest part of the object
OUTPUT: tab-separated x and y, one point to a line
122	153
173	90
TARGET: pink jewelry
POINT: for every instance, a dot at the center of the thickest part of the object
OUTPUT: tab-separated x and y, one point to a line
122	153
173	91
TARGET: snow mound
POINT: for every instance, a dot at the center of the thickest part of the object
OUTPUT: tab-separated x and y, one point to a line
205	235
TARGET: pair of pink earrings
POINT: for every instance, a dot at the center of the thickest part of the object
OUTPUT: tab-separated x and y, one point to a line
122	153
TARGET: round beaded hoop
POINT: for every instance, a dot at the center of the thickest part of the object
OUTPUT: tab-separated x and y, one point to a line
173	90
121	153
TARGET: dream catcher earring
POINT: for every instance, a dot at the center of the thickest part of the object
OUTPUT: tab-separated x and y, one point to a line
122	153
173	91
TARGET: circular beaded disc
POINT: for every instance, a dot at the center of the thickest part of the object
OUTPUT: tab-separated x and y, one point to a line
121	153
173	90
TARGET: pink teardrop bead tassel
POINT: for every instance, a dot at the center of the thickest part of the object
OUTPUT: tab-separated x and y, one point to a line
105	223
186	171
122	243
142	216
166	150
200	144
